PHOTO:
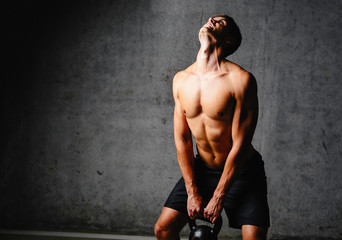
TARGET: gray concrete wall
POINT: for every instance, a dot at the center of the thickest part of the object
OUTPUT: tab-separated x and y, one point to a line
87	139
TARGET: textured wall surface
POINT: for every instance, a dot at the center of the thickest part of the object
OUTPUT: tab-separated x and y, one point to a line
87	134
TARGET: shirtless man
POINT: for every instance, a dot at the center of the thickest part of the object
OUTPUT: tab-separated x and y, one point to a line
216	100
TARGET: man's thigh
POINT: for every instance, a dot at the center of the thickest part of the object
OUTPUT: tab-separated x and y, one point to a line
171	220
251	232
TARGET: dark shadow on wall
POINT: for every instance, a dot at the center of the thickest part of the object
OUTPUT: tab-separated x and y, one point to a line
27	28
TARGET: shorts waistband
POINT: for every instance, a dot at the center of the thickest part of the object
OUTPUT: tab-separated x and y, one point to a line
200	165
254	160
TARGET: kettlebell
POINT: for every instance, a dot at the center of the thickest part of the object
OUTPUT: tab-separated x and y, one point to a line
203	232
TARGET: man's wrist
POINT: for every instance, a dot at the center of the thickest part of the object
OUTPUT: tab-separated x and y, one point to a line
192	192
191	189
219	193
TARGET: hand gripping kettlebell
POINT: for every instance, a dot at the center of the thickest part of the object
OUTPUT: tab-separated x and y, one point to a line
203	232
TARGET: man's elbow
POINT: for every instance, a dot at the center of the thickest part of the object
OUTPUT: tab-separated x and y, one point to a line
183	141
242	142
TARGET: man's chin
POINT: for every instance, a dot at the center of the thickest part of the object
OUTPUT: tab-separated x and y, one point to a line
204	30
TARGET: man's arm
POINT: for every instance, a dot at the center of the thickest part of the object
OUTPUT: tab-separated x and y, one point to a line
243	126
185	154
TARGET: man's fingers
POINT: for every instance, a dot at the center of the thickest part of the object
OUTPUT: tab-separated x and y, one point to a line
197	214
190	214
210	216
193	214
205	214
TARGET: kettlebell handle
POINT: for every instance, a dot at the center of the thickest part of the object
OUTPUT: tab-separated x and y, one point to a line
217	225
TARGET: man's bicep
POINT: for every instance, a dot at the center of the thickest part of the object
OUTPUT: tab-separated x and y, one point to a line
246	113
181	128
180	124
250	100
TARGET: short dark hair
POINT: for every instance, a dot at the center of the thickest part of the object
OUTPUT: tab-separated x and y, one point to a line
234	34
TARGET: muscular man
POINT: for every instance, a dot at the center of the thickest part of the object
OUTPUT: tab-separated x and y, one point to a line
216	100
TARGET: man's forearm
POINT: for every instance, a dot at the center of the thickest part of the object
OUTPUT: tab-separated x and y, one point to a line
186	162
233	163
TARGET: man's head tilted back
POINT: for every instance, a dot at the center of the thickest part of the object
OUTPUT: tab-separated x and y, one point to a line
225	31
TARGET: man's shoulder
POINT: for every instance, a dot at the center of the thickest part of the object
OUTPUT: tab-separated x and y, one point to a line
233	68
240	79
183	74
238	74
180	77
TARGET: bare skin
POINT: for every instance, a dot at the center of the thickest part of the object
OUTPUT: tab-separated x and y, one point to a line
217	101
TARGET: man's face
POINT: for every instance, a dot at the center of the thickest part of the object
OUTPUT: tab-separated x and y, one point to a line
216	26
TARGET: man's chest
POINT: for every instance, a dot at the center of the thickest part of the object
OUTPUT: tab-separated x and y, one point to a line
213	97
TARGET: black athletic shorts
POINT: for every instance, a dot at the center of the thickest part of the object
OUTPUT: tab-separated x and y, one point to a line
246	201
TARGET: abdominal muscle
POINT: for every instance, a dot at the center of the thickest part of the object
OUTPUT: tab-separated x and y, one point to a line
213	140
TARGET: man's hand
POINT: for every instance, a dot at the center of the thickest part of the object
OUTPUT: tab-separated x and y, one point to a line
195	206
213	209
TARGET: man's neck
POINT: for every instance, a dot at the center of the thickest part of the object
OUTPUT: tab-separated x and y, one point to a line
208	57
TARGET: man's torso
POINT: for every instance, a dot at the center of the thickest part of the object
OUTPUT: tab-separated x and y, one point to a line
208	103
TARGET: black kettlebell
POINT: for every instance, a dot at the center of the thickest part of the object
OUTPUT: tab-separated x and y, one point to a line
203	232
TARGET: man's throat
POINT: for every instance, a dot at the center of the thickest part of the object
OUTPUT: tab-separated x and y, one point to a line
208	61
